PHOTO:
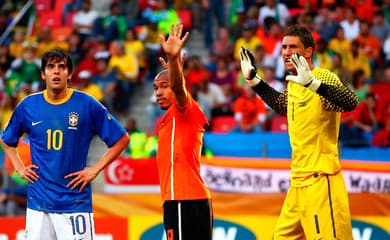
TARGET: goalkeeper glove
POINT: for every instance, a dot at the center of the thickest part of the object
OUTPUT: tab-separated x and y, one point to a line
248	67
304	75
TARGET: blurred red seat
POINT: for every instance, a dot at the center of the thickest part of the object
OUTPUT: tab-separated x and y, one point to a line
185	18
50	19
279	124
42	6
61	33
222	124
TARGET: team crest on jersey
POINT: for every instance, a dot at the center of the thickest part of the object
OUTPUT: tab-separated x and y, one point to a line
73	119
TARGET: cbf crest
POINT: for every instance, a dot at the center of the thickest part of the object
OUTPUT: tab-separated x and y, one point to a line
73	120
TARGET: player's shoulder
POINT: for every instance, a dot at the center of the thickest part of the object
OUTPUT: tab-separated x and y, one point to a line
326	76
32	98
82	96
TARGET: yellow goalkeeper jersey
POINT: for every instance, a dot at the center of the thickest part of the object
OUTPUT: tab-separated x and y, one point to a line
313	128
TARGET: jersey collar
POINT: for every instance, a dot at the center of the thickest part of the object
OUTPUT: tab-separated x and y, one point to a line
59	101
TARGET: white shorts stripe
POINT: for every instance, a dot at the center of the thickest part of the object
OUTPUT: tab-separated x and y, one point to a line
179	220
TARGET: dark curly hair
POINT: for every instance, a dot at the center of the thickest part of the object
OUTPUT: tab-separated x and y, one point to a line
304	35
57	55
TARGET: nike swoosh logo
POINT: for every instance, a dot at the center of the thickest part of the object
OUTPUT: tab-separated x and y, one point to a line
35	123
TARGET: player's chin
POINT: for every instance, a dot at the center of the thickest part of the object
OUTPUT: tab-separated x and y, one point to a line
164	106
290	67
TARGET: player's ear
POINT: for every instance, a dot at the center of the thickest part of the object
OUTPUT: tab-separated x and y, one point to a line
308	52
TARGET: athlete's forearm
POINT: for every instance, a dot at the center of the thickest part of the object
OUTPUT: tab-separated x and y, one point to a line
274	99
13	156
112	153
177	81
341	98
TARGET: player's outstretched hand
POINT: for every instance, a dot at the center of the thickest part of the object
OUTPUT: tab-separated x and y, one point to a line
304	75
28	173
173	45
82	178
248	67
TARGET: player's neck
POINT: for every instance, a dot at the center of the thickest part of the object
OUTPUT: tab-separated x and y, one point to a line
57	94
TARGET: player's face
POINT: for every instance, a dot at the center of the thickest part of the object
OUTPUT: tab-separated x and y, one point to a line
290	45
163	91
56	76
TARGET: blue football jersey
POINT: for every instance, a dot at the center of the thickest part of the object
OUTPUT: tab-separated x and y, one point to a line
60	134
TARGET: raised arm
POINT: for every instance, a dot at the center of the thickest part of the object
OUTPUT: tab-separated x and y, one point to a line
172	48
274	99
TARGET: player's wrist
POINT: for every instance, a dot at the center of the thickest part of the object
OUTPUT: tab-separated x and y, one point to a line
254	81
314	84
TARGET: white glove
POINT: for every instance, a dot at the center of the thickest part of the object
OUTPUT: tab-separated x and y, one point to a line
304	75
248	67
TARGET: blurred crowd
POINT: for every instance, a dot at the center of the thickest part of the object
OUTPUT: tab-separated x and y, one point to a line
115	46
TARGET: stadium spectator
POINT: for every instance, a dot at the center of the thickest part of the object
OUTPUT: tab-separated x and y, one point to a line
247	40
125	65
222	46
381	89
369	44
269	78
355	60
83	20
47	43
59	179
380	28
111	27
235	28
338	67
150	37
364	124
359	85
212	99
275	9
386	10
75	50
339	43
196	71
322	58
249	112
135	148
135	46
224	78
88	87
364	8
382	137
327	23
163	15
5	57
87	62
350	24
16	45
212	8
105	79
272	40
28	67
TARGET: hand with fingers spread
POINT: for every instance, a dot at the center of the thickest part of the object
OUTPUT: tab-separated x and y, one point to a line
173	45
304	75
28	173
82	178
248	67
